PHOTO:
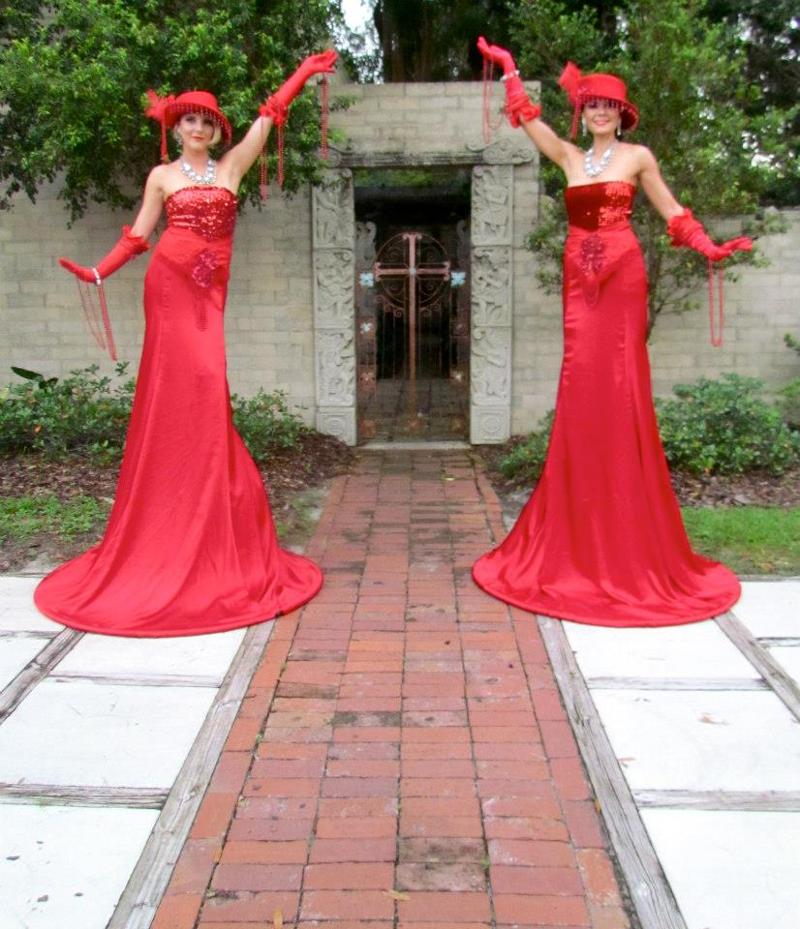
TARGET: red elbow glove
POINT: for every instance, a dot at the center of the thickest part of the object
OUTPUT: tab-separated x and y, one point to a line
127	247
685	230
277	106
519	108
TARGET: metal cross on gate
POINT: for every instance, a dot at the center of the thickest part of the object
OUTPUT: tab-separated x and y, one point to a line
412	272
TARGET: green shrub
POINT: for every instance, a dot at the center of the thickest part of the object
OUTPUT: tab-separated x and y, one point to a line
81	413
526	460
265	422
87	414
724	427
789	402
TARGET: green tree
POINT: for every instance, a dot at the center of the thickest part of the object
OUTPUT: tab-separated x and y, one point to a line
73	76
431	40
718	147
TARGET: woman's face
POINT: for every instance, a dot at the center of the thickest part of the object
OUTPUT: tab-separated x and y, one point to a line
196	131
602	116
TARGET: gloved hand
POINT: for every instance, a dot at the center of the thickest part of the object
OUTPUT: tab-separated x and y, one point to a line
127	247
684	229
519	107
277	106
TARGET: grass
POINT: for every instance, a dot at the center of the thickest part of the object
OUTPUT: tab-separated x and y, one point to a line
23	518
749	539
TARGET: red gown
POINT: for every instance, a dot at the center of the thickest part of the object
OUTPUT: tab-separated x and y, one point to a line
190	546
601	540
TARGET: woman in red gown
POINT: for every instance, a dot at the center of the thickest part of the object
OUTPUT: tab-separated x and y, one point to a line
601	540
190	546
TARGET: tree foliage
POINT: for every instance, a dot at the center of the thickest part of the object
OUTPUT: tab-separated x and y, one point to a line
719	147
430	40
73	76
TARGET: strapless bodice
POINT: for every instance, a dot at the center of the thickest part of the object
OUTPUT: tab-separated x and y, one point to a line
600	205
208	211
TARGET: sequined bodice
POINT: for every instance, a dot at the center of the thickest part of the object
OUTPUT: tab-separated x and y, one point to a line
597	206
208	211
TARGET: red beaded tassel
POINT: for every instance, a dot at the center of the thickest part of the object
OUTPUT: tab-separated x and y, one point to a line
715	325
97	318
324	117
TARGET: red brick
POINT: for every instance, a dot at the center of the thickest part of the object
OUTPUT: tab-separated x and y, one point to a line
514	770
440	907
467	876
583	822
541	910
525	852
363	768
360	787
299	767
436	806
195	866
544	807
438	851
527	827
358	807
598	877
287	786
357	828
467	827
347	904
214	816
258	807
230	772
336	850
178	911
535	880
610	917
436	787
558	739
264	852
570	779
367	734
257	877
438	769
250	907
270	830
351	876
243	734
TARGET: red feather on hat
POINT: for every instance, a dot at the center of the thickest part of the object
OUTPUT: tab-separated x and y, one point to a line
569	80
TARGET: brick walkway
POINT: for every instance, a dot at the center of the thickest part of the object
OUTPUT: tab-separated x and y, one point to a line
402	759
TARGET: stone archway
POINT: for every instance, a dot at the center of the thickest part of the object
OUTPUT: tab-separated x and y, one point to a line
492	208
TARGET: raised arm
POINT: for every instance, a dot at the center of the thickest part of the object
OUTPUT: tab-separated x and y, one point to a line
522	112
239	159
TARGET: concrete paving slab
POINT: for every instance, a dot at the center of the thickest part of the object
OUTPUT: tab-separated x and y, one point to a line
699	650
731	869
702	740
65	867
203	656
770	608
84	733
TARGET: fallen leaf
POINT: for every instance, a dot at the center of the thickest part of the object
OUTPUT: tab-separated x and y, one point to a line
277	919
397	895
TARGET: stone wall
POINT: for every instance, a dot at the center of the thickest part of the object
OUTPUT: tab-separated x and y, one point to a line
270	316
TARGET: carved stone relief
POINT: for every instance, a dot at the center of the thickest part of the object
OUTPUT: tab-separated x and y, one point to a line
491	205
491	365
491	287
333	223
333	280
492	251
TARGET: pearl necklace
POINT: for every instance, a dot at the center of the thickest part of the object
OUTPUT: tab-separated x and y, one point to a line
592	169
209	177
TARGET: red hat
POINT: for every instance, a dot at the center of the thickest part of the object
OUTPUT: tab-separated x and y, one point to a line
583	87
168	110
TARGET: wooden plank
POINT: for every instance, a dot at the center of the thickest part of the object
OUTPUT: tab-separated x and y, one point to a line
675	683
26	634
36	669
787	801
140	899
139	680
141	798
649	889
778	641
768	667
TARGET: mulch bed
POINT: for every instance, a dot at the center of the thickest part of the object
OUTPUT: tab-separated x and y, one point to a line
755	489
314	459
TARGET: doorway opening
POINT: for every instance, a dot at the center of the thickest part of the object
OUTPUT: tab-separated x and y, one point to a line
412	303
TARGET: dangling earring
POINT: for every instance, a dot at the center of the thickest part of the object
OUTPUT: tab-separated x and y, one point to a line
178	137
618	131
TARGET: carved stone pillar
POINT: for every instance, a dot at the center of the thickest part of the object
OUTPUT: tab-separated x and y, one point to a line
333	220
490	369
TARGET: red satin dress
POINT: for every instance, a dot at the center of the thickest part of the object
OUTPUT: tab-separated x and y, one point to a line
190	546
601	540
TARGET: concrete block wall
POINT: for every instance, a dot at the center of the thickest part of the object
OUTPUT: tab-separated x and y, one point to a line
762	305
268	318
